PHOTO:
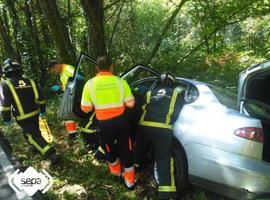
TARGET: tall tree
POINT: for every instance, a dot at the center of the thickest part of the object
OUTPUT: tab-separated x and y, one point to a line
37	60
94	14
59	30
164	31
16	28
5	40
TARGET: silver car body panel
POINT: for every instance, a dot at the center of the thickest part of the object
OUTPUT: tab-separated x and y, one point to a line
205	128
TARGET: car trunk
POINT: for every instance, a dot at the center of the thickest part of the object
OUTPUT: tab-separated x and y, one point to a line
254	99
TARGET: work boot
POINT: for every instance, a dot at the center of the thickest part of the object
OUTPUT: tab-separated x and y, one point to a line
129	178
115	168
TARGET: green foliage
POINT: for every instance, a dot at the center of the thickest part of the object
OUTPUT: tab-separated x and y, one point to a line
211	41
220	28
79	171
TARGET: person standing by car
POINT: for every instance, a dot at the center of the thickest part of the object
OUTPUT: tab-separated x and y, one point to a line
65	72
109	96
24	99
160	110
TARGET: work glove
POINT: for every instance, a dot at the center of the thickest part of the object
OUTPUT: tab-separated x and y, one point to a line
42	114
55	88
7	123
79	77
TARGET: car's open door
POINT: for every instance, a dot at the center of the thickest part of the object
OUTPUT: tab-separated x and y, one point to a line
138	73
253	86
70	103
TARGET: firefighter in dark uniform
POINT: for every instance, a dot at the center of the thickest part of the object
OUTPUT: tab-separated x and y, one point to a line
23	98
160	110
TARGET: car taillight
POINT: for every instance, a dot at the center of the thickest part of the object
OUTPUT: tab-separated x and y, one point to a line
255	134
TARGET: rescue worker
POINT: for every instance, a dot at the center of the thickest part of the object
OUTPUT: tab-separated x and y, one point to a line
23	98
160	110
65	72
109	96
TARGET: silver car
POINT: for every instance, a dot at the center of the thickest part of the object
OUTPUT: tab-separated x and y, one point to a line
222	141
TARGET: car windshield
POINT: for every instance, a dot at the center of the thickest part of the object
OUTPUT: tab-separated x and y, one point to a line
225	96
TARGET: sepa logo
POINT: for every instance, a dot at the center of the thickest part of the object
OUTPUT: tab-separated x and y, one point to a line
30	181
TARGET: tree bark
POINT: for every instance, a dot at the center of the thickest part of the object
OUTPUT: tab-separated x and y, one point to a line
38	62
5	40
59	30
164	31
94	14
16	28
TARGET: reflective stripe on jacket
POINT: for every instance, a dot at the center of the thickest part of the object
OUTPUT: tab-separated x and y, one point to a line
162	107
23	96
107	94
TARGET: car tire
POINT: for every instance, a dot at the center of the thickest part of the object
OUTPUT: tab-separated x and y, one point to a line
180	169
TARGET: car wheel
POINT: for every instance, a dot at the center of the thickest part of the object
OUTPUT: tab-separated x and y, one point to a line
180	169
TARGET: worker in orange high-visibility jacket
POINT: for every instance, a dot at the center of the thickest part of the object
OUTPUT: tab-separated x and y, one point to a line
65	72
109	96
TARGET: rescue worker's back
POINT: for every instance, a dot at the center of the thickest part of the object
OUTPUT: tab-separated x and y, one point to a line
109	96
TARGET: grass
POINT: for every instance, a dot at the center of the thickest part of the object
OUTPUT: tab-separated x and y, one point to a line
80	176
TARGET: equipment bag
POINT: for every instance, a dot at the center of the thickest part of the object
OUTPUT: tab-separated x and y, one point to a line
45	130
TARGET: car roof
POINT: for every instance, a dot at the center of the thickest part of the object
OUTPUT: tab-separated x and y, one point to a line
192	81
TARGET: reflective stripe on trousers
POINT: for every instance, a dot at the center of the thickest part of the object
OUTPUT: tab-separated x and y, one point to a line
172	187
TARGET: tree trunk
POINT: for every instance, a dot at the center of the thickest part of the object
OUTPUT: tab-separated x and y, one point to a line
5	40
94	14
46	36
38	62
5	20
16	28
59	30
164	31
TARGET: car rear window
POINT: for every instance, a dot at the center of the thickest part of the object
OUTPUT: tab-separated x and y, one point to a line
225	96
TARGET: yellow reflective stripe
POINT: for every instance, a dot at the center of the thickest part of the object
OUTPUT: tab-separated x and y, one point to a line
172	104
86	130
172	187
148	96
41	102
111	105
28	115
16	98
90	120
101	150
155	124
172	174
168	117
166	189
39	148
3	108
92	92
34	87
121	89
150	123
